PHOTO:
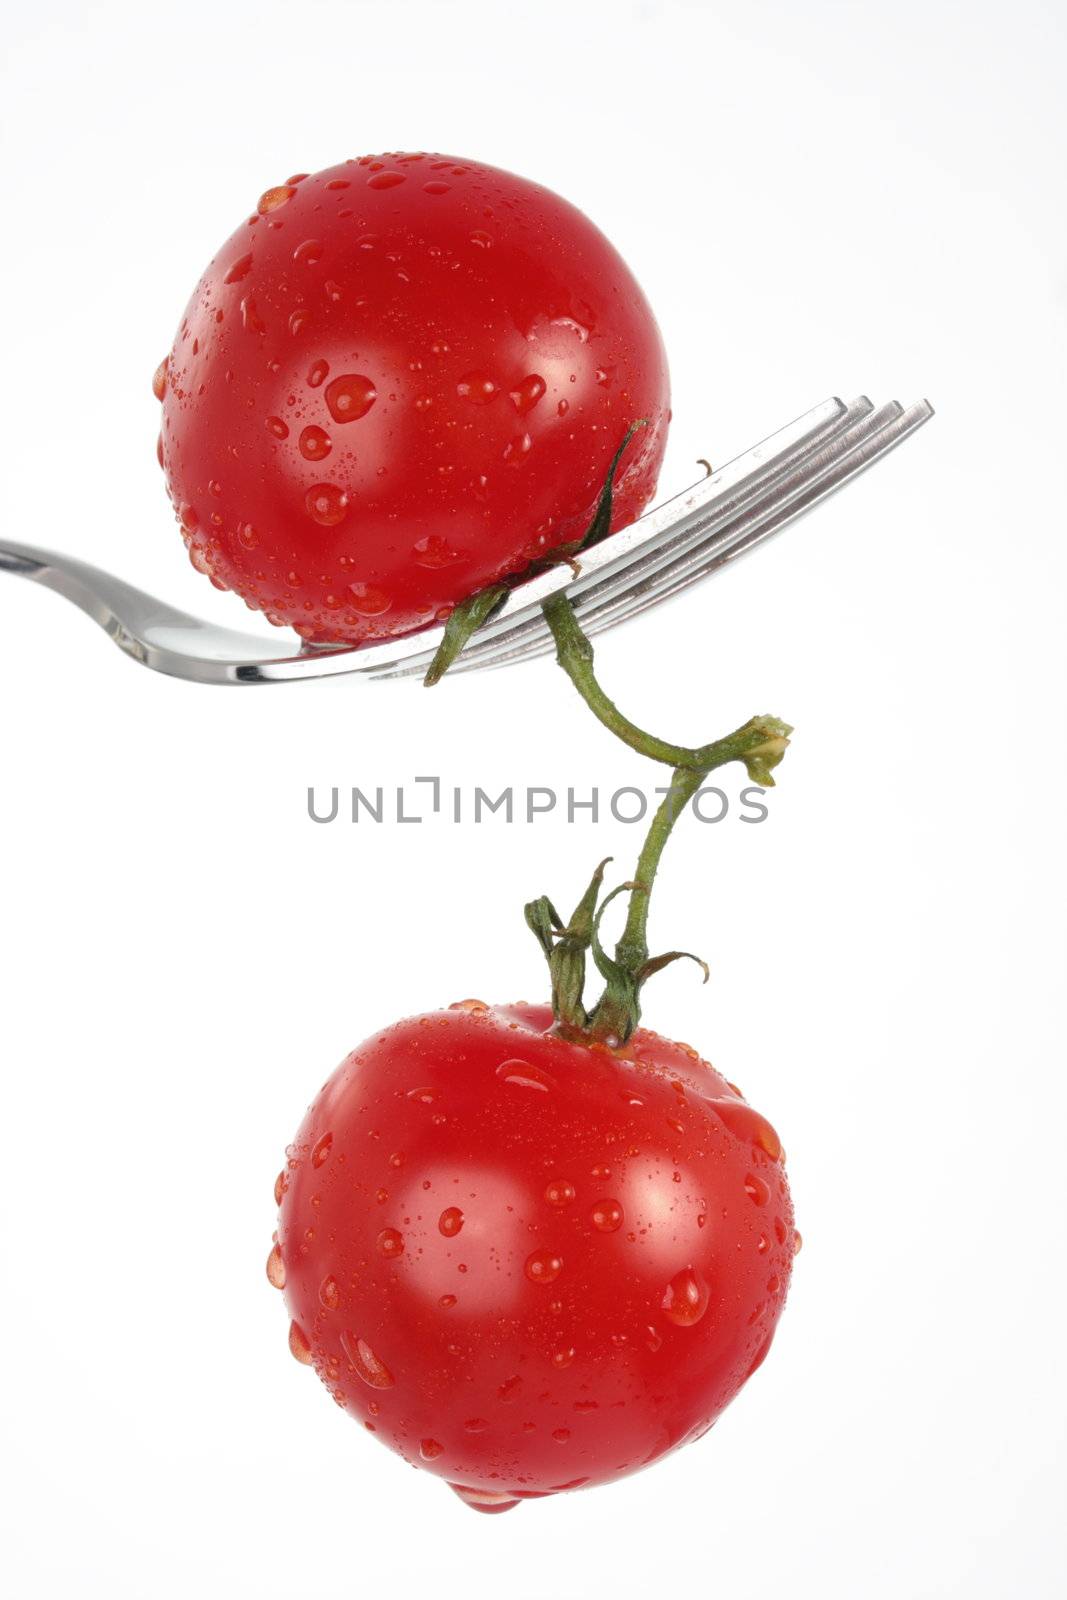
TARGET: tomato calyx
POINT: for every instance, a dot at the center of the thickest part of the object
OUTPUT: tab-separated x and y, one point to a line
478	609
565	946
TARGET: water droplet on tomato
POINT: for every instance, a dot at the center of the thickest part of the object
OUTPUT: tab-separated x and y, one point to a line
273	198
760	1357
276	426
386	180
239	270
559	1192
524	1075
653	1338
368	1367
429	1449
315	444
299	319
326	504
563	1356
685	1298
798	1241
434	552
600	1172
516	450
779	1230
350	397
477	1007
367	600
159	380
606	1215
329	1293
543	1266
308	253
317	373
435	186
299	1344
509	1389
572	326
450	1221
276	1268
390	1243
247	536
447	1301
758	1191
281	1183
561	1435
321	1152
763	1244
477	387
526	394
747	1124
488	1500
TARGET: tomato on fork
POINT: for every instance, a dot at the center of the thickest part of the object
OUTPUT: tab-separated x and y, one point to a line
401	380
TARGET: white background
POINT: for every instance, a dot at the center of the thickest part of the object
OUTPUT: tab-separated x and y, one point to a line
818	198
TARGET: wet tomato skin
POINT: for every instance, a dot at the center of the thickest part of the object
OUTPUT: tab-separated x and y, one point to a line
528	1265
399	380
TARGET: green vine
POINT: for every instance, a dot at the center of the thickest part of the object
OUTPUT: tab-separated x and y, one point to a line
758	744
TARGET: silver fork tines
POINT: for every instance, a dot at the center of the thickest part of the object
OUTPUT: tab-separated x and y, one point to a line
726	514
846	451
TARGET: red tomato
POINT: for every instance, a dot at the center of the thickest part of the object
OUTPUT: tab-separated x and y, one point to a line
400	380
529	1265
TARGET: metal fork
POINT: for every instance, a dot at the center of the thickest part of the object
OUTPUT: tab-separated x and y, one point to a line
727	513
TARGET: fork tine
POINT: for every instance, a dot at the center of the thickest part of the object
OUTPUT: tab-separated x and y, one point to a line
856	449
871	447
741	528
768	482
598	606
722	528
657	535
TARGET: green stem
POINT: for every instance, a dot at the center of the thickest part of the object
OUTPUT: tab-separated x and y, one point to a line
574	652
760	744
632	948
